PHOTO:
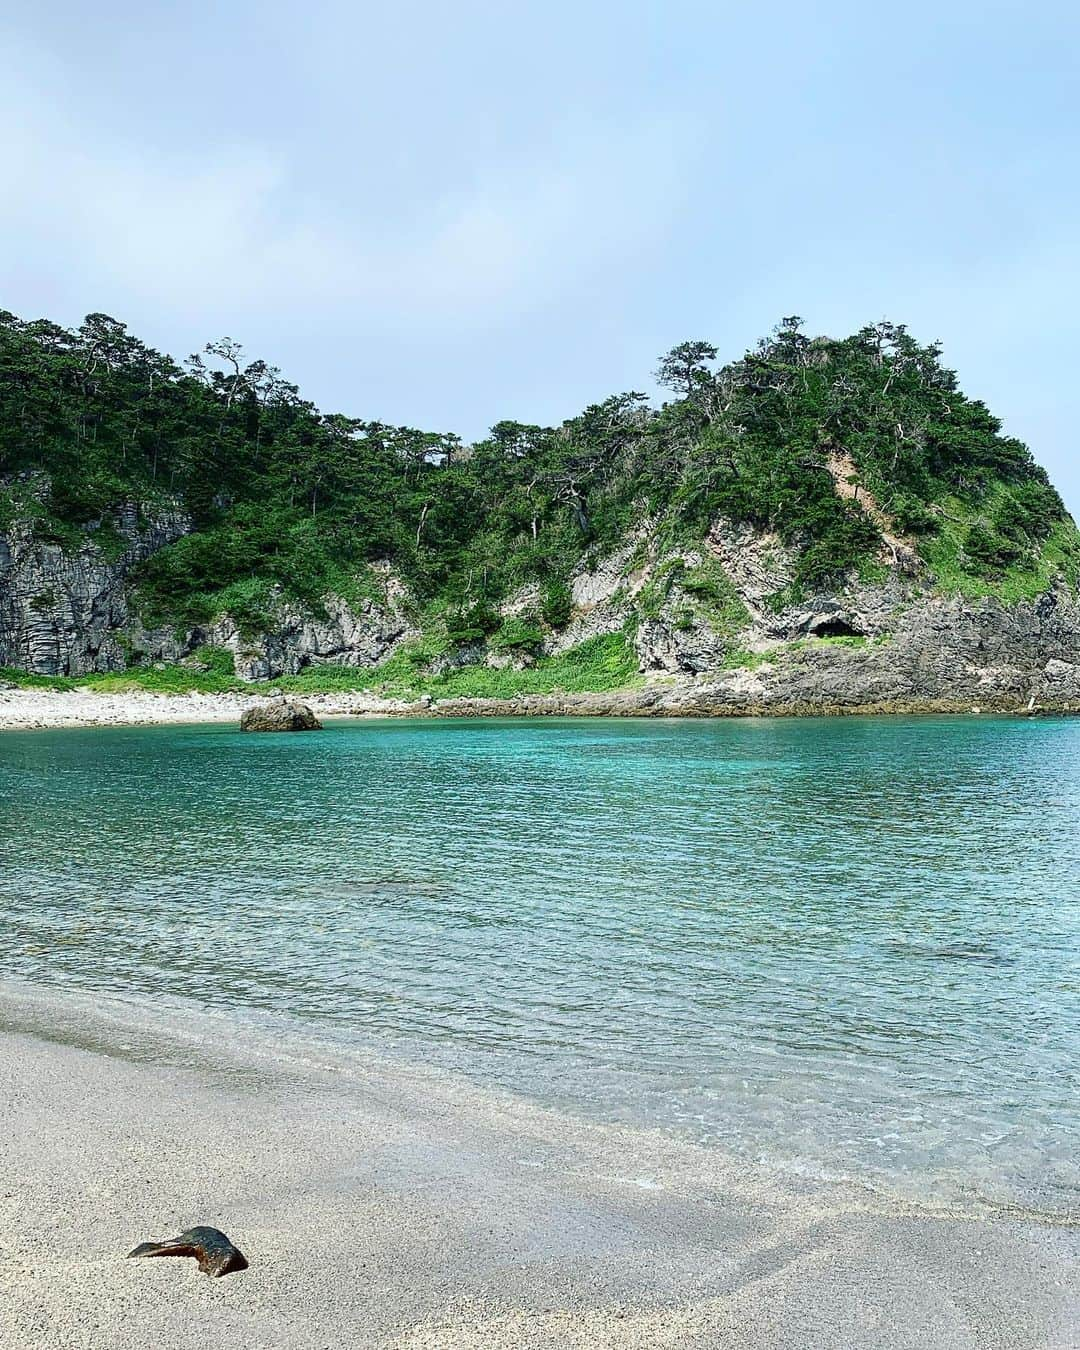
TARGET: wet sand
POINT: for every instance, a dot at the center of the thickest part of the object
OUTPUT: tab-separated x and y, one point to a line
385	1206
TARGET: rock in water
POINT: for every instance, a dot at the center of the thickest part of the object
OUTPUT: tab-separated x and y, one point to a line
210	1247
279	716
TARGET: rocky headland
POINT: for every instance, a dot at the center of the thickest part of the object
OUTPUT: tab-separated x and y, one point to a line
825	526
893	645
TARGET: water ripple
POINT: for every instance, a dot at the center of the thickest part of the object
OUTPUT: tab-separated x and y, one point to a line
849	946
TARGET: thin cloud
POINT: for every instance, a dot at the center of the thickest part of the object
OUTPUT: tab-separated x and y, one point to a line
230	223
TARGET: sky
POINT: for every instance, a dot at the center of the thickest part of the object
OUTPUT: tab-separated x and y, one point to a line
449	214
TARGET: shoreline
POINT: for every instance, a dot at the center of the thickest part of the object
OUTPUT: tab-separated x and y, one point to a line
30	709
398	1207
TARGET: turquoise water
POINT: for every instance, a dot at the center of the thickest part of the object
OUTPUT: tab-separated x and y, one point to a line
847	947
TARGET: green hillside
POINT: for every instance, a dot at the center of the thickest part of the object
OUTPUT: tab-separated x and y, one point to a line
283	495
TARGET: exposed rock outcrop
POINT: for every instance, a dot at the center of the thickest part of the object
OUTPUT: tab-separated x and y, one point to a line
69	613
362	633
72	613
279	715
603	594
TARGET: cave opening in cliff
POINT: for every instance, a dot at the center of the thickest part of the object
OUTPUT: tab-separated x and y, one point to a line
831	628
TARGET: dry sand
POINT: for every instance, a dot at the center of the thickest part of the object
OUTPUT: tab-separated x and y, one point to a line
668	696
35	709
386	1206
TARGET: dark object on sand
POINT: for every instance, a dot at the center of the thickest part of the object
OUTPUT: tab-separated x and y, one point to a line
281	715
211	1248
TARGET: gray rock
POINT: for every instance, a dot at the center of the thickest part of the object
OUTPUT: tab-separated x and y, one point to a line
279	715
65	613
363	634
69	613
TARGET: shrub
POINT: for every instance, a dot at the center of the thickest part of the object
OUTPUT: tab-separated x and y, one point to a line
249	603
990	550
471	624
912	516
557	604
214	660
518	635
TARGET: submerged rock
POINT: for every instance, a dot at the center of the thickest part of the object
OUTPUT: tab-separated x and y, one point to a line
279	716
214	1252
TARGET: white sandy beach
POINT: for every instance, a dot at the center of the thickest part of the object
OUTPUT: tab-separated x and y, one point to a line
36	709
383	1206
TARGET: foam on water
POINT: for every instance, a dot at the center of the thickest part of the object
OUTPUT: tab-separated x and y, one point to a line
845	947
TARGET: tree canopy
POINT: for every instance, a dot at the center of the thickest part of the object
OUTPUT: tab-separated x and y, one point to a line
281	493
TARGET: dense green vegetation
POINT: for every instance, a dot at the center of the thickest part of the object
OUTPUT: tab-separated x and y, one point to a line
284	495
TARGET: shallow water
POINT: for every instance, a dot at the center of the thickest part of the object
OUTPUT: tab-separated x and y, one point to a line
847	947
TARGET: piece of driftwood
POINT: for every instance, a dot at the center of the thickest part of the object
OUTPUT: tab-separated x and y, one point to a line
214	1252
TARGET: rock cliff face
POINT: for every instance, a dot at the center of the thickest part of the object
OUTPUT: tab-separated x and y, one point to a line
68	613
721	647
72	613
939	653
362	634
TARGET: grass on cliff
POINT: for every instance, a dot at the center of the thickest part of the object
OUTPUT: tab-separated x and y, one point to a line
22	679
707	593
596	666
210	671
146	679
947	553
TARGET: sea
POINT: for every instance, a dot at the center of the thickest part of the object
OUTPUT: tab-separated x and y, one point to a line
840	947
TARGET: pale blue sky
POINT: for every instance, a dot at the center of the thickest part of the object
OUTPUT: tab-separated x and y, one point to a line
448	214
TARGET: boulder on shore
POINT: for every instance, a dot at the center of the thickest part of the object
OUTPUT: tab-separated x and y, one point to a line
280	715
